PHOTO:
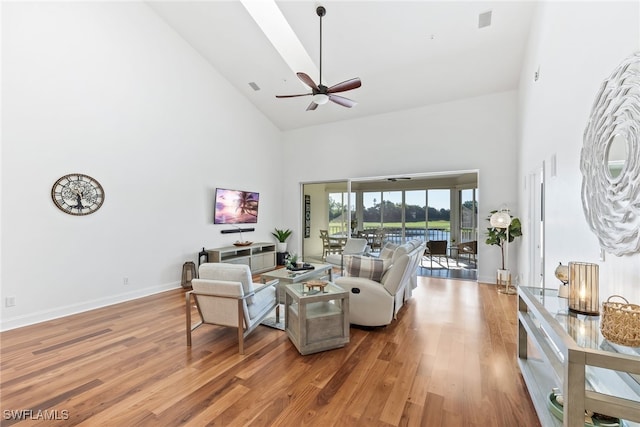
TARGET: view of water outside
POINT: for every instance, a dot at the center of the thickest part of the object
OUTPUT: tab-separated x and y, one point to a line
384	210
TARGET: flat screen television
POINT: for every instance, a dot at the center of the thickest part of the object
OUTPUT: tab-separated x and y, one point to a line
236	207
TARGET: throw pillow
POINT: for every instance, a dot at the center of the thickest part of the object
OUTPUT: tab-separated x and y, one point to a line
367	267
387	251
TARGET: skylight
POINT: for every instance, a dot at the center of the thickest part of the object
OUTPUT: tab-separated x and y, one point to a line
274	25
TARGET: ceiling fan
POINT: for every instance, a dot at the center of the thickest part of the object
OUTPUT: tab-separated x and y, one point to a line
322	94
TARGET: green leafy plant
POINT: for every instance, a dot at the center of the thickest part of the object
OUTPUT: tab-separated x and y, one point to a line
281	235
498	236
291	261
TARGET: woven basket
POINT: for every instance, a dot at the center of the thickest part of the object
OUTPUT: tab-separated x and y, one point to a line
621	322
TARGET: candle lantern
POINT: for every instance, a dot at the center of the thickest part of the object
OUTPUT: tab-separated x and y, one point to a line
188	274
583	288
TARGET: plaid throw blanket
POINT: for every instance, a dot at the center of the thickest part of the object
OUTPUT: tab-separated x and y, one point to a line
367	267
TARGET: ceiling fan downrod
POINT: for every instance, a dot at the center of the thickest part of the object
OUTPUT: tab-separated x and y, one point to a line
321	11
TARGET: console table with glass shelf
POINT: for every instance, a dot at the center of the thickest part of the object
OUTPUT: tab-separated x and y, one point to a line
559	349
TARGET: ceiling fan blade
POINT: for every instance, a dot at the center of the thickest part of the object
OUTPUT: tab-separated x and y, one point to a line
312	106
341	100
293	96
307	80
345	85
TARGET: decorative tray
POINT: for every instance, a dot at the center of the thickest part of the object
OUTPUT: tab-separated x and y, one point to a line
304	267
242	243
596	420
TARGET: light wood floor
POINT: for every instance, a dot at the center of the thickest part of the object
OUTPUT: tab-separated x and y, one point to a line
449	360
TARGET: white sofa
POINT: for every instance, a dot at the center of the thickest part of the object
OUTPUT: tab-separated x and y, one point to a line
376	303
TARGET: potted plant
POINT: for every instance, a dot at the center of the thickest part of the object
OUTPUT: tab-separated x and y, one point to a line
497	236
281	236
292	261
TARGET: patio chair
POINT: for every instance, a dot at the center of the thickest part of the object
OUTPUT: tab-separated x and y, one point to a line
375	238
378	239
225	295
329	245
468	248
437	248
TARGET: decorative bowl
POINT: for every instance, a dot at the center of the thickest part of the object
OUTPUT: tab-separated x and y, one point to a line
593	420
242	243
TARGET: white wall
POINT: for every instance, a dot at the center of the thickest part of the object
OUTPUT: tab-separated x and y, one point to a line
576	45
319	212
461	135
107	89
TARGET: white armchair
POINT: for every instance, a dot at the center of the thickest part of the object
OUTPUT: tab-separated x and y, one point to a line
351	247
225	295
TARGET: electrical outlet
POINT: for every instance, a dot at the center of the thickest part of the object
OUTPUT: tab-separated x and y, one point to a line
125	281
10	302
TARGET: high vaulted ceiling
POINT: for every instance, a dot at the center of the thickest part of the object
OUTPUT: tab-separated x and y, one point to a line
407	53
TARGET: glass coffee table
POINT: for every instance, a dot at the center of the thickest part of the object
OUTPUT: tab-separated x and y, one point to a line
288	277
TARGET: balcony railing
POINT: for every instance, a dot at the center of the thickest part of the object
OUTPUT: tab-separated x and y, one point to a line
394	235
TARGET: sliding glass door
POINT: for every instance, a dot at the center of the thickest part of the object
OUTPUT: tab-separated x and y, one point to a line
439	215
468	225
325	208
415	214
406	214
392	215
425	207
339	222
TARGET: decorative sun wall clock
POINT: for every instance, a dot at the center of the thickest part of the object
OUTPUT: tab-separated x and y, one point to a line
77	194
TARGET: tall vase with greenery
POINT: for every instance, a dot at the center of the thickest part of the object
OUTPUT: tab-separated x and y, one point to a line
281	235
498	236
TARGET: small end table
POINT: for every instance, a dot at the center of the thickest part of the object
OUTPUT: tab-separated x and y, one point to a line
316	320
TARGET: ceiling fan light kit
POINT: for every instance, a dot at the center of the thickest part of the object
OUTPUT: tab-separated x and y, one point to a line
321	93
320	98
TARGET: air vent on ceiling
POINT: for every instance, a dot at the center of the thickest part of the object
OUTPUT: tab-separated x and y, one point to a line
254	86
484	19
397	178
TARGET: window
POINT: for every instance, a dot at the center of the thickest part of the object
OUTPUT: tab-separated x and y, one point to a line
338	224
468	215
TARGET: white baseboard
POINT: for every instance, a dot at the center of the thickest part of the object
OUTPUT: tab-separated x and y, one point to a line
45	315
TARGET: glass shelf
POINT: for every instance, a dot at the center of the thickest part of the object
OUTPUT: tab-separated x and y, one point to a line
584	330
